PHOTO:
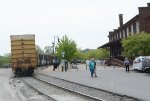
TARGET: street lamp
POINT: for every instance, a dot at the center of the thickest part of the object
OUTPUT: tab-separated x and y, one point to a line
54	43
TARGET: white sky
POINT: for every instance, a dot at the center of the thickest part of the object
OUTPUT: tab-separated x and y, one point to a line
85	21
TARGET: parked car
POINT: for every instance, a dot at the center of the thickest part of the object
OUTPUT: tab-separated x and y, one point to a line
6	65
142	63
77	61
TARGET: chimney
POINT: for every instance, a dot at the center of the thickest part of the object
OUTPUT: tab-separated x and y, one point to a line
148	4
121	19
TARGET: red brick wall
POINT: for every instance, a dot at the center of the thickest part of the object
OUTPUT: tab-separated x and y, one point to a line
144	18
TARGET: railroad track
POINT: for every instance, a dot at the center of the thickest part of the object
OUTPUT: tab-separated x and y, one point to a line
49	98
56	92
88	92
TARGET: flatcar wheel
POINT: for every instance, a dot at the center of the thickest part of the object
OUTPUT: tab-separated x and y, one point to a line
30	71
18	71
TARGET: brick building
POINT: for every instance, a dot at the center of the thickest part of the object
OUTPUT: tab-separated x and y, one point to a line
141	22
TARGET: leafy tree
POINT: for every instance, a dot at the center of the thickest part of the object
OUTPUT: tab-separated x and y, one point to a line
48	49
1	61
39	50
93	53
79	55
103	53
68	46
5	59
135	45
98	54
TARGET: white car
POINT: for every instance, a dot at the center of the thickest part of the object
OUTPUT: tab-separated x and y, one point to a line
141	63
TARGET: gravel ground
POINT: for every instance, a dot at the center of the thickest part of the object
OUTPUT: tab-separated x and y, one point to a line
54	92
7	91
87	90
26	93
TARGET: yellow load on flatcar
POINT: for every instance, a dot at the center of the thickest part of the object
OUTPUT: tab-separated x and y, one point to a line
23	54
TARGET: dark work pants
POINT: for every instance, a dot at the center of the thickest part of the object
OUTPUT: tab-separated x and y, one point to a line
92	72
127	68
54	67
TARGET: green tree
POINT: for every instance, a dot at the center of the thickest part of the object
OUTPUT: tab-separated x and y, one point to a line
5	59
98	54
103	53
79	55
68	46
93	53
1	61
39	50
135	45
48	49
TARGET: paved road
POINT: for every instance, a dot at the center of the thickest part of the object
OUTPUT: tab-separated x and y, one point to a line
7	92
134	84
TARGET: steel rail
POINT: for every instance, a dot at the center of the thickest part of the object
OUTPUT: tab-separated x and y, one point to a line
40	92
71	91
109	92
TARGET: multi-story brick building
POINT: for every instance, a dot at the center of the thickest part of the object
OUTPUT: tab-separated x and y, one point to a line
141	22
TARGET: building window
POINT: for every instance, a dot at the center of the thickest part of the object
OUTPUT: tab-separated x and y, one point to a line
123	34
115	36
129	28
137	27
134	27
110	38
120	34
132	30
127	31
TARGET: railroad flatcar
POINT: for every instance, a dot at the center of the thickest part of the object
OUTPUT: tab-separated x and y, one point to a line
23	54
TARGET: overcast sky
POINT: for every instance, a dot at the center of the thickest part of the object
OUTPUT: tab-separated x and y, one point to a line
85	21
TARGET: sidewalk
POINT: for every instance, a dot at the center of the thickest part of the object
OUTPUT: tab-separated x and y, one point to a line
116	80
